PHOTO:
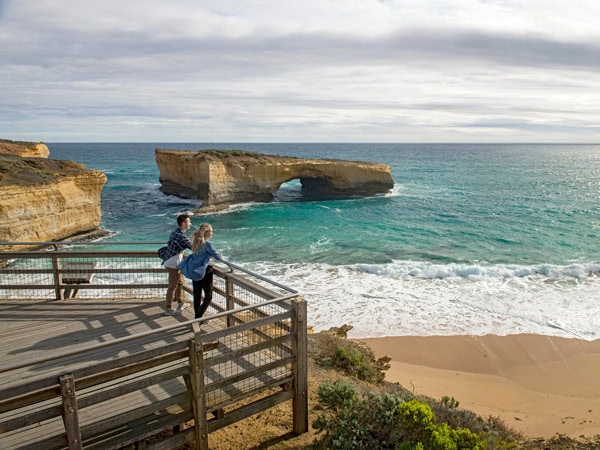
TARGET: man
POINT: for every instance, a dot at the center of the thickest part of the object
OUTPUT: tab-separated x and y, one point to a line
178	242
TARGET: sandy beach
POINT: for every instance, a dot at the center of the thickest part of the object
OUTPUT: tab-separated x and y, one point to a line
538	385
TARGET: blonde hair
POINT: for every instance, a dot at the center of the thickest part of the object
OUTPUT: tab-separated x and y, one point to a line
198	236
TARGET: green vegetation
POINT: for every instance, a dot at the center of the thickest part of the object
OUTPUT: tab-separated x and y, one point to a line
379	415
391	421
353	358
450	402
8	141
360	362
17	170
223	154
229	153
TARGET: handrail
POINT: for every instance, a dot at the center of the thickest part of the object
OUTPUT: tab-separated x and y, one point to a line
228	263
83	243
260	277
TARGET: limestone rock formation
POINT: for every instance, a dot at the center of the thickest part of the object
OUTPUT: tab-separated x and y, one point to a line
24	149
47	200
223	177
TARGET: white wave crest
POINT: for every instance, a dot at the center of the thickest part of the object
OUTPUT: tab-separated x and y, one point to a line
474	271
408	298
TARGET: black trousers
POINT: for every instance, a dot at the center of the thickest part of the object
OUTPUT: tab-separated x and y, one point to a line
203	286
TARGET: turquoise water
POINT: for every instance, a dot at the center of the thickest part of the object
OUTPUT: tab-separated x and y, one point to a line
473	239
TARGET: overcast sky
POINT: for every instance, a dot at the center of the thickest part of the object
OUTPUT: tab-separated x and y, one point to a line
300	71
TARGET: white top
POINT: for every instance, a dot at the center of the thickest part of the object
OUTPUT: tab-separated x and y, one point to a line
173	261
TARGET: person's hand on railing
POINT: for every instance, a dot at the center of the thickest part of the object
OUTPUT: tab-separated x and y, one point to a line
227	263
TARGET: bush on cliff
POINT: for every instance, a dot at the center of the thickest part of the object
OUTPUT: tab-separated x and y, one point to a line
351	357
388	421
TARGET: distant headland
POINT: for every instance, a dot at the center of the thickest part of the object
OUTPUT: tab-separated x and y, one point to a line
42	199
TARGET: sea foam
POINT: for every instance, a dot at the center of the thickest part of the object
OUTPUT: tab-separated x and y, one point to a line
407	298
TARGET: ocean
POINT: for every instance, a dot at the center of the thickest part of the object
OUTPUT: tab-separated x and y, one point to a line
473	239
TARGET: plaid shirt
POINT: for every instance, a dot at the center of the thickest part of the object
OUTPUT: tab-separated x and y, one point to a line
178	242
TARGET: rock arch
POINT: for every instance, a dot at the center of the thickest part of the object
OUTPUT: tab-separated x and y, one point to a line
223	177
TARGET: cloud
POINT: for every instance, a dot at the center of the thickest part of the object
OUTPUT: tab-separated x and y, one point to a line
287	71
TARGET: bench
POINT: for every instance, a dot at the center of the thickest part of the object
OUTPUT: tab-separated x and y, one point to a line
77	273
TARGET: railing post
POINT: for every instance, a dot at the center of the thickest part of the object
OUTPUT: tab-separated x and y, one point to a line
300	402
229	300
198	392
57	277
70	412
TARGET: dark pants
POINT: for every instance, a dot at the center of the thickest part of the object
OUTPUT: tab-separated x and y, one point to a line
203	286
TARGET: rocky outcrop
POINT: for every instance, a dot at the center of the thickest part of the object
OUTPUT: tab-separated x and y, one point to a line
45	200
24	149
223	177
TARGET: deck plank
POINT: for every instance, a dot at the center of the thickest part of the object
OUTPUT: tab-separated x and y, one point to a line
32	330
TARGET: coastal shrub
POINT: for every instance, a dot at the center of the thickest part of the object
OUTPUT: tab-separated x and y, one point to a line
444	437
337	396
228	153
359	361
353	358
350	421
220	153
417	419
495	430
353	362
450	402
384	421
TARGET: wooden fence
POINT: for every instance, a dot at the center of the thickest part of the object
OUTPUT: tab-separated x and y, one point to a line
155	389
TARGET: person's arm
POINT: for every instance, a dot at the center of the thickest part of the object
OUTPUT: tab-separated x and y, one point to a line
187	242
183	241
212	252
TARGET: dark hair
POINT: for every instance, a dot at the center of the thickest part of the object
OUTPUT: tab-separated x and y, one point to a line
182	218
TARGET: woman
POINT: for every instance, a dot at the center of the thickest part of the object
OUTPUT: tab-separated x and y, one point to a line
196	268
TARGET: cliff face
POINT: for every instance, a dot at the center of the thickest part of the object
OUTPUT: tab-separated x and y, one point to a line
47	200
24	149
220	178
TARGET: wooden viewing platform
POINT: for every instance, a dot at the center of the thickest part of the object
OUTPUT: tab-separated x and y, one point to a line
106	374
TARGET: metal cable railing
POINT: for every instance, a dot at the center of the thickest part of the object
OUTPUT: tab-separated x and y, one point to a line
58	273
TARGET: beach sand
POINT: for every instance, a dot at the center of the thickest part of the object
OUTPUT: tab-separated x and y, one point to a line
538	385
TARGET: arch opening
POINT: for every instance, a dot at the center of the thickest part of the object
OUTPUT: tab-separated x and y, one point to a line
308	189
289	191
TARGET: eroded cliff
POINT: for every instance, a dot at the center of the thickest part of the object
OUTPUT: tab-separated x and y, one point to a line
24	149
47	200
222	177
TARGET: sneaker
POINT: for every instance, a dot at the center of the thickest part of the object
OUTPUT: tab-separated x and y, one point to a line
170	311
182	306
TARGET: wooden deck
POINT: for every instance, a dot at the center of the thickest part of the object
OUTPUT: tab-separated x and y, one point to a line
234	369
31	330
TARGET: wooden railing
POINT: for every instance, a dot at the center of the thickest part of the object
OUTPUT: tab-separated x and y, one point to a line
175	384
62	274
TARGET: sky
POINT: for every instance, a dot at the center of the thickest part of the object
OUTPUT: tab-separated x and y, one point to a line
300	71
